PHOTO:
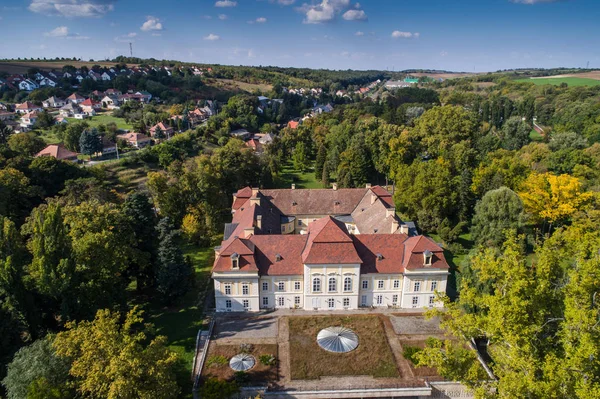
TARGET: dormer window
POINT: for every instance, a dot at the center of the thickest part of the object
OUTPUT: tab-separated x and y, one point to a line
336	202
235	261
278	257
379	256
427	257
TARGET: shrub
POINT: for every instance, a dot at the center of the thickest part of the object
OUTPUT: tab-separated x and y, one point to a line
216	360
215	388
268	360
410	352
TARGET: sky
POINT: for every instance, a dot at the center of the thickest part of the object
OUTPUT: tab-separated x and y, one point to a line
456	35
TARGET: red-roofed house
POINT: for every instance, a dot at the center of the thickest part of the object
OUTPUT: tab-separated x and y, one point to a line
27	107
58	151
90	106
293	124
137	140
76	98
167	131
332	262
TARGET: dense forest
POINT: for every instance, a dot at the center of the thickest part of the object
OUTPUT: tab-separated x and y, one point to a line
504	174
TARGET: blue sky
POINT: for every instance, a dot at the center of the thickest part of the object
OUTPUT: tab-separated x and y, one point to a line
459	35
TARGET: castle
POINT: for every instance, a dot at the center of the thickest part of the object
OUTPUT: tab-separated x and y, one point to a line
324	249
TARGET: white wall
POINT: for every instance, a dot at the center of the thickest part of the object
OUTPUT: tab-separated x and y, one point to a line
321	300
426	289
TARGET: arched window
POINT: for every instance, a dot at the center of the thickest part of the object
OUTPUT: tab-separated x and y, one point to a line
348	284
332	284
316	284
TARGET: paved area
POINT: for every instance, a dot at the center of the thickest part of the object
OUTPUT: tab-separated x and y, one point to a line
245	327
415	325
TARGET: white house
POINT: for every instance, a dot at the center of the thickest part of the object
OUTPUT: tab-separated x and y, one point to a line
28	85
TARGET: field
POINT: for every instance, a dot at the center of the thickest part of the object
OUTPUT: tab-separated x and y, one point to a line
22	66
235	84
570	80
103	119
372	357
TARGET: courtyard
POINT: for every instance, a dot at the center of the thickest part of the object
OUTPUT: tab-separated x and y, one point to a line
300	364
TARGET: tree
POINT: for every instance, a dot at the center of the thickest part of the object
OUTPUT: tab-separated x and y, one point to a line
515	133
51	174
355	168
215	388
320	162
16	194
113	359
498	211
142	221
552	198
72	135
523	306
5	133
300	157
26	143
499	168
90	142
173	271
158	133
33	363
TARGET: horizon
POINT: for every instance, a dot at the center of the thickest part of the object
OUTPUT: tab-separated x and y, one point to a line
324	34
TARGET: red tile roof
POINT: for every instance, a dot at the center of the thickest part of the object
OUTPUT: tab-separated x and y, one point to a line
57	151
389	246
316	201
414	249
26	105
293	124
289	247
329	242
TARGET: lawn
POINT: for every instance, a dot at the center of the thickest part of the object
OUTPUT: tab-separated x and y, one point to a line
571	81
103	119
217	363
372	357
290	175
49	137
534	135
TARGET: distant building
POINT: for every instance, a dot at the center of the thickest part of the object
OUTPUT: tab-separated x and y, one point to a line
58	151
137	140
241	134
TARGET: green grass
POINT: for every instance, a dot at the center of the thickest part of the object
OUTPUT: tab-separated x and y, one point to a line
571	81
49	137
103	119
290	175
535	136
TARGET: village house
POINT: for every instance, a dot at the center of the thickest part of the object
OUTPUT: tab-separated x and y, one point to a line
167	131
137	140
76	98
28	85
53	102
47	82
90	106
58	151
69	110
110	102
27	107
241	134
29	119
324	249
6	115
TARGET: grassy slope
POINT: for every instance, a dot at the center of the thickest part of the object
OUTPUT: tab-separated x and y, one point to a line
535	136
23	66
557	81
103	119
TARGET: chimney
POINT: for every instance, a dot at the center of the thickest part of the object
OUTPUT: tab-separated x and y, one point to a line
248	232
395	225
390	212
368	185
404	229
374	198
255	201
334	185
259	221
254	191
293	186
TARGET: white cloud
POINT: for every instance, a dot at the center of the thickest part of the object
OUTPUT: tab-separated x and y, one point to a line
444	53
156	34
355	15
72	8
405	35
225	3
152	23
328	10
212	37
126	38
359	33
285	2
222	17
260	20
63	33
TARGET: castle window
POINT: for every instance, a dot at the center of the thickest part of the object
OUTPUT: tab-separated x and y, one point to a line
235	261
332	284
245	289
347	284
316	284
227	289
427	256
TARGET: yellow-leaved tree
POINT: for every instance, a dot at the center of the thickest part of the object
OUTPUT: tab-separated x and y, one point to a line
553	198
113	359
